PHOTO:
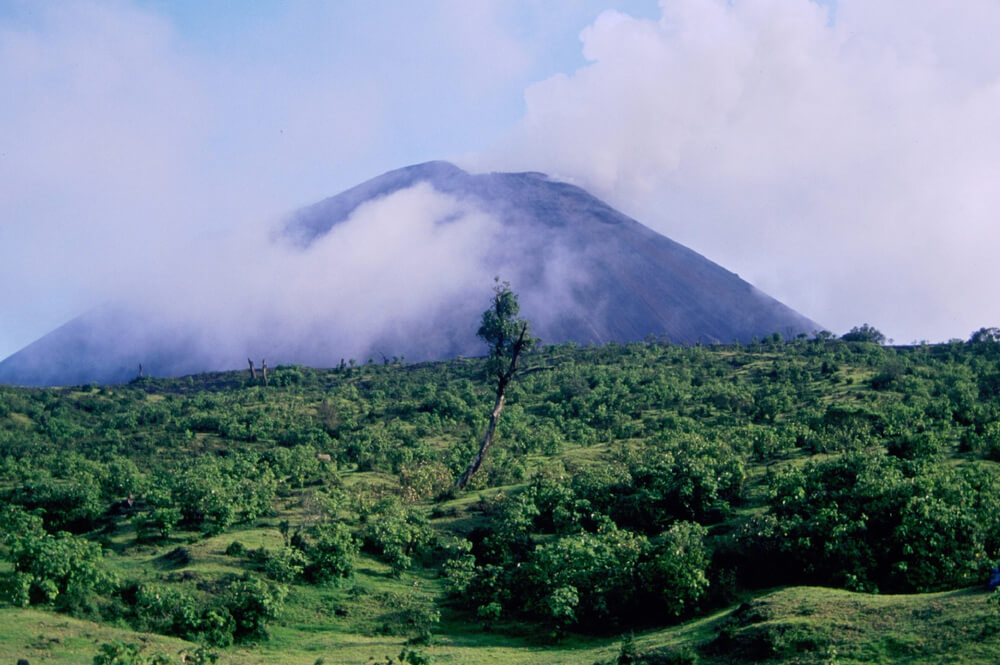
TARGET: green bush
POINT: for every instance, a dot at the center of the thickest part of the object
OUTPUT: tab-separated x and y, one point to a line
285	564
331	551
64	504
395	533
413	616
117	652
675	573
236	549
252	603
63	570
585	579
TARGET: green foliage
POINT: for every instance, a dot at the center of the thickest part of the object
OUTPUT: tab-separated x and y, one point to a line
504	332
383	447
560	606
638	485
298	465
240	612
860	522
285	564
864	333
236	548
216	492
117	652
65	504
459	567
331	551
985	336
425	480
586	579
675	573
948	531
62	570
628	654
163	609
395	532
252	603
411	615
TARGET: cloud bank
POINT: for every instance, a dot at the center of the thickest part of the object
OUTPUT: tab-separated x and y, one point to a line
843	160
137	145
840	156
385	273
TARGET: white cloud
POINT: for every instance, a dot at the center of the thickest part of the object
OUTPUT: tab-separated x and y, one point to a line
385	272
98	123
847	168
129	139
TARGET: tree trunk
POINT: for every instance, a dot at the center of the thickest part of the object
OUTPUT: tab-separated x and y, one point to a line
503	379
487	440
253	373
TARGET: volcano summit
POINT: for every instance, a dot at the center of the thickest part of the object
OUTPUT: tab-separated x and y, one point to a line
402	265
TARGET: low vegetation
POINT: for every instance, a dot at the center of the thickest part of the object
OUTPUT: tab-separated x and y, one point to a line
807	500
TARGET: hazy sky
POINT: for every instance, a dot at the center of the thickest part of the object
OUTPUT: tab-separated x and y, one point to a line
845	159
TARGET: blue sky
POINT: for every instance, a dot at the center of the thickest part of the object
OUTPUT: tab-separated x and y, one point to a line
440	78
844	163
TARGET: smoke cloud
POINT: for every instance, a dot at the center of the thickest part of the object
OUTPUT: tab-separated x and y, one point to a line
843	158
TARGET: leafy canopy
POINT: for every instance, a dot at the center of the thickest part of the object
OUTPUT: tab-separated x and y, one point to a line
505	333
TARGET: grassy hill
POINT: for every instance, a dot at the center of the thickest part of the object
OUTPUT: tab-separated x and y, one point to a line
805	501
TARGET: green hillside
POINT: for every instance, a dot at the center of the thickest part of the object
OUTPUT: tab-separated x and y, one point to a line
798	501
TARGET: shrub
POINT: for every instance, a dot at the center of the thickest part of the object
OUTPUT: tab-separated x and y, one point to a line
331	552
117	652
63	570
597	570
285	564
236	548
65	505
395	533
864	333
675	574
253	603
414	616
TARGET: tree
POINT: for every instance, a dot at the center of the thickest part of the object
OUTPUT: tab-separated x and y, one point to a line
676	572
332	553
252	602
584	579
985	336
62	569
507	337
864	333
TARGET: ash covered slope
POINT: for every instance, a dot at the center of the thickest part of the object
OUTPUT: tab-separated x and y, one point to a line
584	273
105	345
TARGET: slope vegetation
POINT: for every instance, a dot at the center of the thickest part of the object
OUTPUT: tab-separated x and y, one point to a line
806	501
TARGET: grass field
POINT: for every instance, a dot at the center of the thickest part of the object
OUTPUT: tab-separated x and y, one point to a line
793	625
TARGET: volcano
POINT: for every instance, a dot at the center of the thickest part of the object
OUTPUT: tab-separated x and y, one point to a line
584	272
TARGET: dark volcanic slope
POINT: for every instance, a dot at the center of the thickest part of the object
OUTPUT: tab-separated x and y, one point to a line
630	282
584	273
